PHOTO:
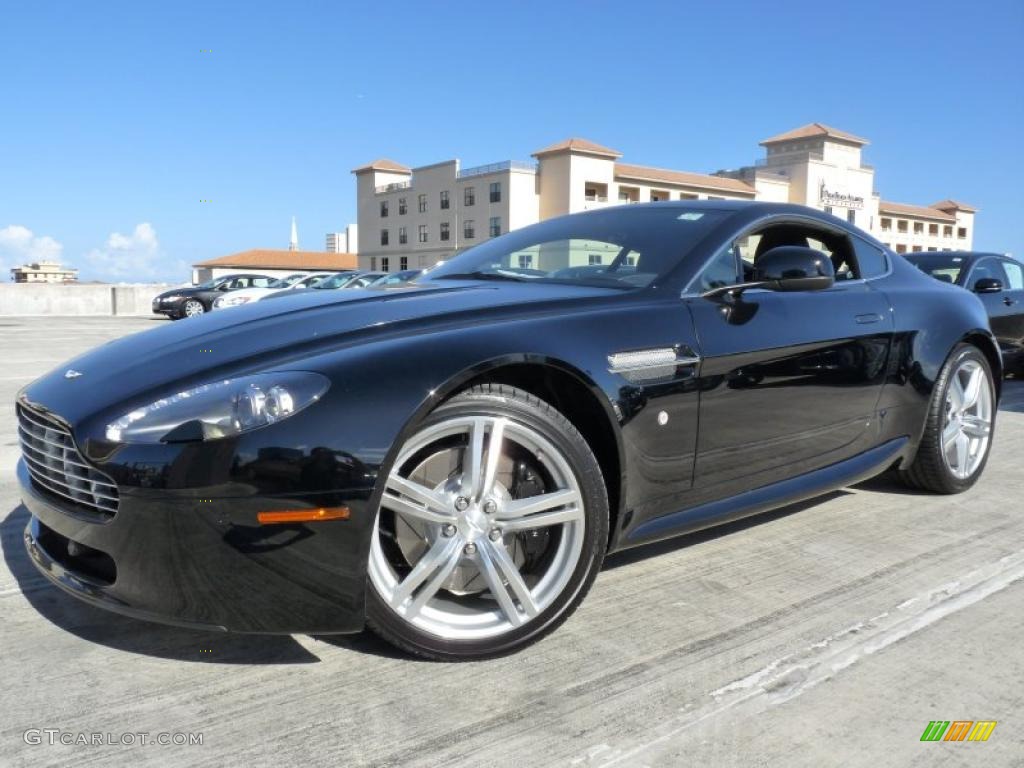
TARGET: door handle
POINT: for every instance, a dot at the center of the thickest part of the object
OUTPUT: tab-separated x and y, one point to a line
1008	301
868	318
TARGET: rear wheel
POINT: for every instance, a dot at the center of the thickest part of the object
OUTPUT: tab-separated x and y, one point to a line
492	527
958	432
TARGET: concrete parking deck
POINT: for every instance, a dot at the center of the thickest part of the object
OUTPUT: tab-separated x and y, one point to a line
829	633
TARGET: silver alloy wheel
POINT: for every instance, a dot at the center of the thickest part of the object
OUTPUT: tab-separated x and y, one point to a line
967	426
193	308
466	577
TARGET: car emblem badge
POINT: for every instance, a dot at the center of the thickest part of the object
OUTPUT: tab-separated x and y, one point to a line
71	373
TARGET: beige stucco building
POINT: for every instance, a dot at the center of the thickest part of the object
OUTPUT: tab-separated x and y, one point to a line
410	218
44	272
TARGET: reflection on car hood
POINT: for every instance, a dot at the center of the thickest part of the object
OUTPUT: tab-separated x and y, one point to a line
253	336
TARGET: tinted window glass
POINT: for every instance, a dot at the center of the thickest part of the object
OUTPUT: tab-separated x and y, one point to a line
871	261
1015	275
634	245
720	272
987	268
940	266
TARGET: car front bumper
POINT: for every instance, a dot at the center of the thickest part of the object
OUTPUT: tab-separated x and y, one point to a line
205	563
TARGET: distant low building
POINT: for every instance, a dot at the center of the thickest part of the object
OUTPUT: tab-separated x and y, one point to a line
44	272
273	262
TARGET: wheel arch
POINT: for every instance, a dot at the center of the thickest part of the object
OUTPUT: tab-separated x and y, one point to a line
983	340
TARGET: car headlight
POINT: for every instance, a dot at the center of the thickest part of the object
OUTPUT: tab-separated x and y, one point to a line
220	409
175	297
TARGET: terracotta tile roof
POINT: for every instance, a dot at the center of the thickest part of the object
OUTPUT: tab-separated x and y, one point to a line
383	164
813	130
262	258
577	145
953	205
702	180
918	211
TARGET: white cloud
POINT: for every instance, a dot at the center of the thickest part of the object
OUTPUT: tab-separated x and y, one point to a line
19	245
136	257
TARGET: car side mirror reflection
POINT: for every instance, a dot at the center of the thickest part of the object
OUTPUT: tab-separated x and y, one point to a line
794	268
988	285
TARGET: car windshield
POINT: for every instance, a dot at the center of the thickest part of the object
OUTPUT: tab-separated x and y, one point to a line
941	266
333	281
623	247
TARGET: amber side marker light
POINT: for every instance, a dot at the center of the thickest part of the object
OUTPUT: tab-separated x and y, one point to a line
303	515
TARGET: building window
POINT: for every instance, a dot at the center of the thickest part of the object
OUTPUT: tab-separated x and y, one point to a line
423	233
595	192
657	195
444	230
403	263
933	230
932	248
468	196
373	263
851	215
961	233
947	231
403	238
384	265
886	225
468	230
629	195
594	259
918	227
828	208
495	191
495	227
383	208
444	200
422	202
383	237
526	261
901	226
916	249
901	248
402	208
688	196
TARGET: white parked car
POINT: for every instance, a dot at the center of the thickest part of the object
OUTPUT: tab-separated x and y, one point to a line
298	280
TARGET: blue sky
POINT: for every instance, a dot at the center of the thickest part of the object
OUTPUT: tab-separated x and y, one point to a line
116	123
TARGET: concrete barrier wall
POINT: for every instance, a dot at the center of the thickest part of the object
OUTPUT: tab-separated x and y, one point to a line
101	300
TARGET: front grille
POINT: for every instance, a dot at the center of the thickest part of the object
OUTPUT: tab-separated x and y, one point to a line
57	468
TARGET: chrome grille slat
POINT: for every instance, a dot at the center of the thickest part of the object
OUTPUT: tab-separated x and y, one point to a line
56	466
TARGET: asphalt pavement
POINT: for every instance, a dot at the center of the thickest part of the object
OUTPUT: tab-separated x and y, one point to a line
827	633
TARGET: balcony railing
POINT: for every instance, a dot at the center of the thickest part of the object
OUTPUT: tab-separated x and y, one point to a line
394	186
505	165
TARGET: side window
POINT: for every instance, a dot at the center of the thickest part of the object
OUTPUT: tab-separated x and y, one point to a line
987	268
720	272
871	261
1014	275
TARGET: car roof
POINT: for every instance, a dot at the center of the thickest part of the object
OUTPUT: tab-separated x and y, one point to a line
968	255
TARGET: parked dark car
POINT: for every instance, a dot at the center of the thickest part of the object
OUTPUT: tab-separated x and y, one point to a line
197	300
998	281
449	464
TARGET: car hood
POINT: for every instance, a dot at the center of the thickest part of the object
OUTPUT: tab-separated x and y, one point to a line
186	291
133	370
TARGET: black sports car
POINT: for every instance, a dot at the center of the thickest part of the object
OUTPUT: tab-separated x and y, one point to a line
449	462
178	303
999	282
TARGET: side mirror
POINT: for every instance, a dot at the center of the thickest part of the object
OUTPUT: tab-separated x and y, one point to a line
794	268
988	285
223	286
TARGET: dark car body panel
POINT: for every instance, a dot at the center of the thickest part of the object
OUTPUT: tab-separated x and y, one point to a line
826	402
172	302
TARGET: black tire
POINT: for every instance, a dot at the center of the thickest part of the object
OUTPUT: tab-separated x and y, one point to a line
514	404
929	470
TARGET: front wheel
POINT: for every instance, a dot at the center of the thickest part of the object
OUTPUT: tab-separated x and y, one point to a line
193	308
491	528
958	431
